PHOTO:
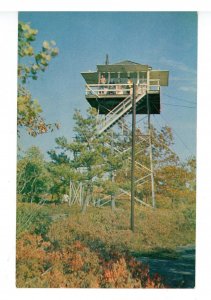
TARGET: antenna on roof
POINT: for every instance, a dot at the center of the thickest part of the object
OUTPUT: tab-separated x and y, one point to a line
107	60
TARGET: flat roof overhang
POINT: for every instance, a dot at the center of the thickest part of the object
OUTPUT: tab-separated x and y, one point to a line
163	76
90	77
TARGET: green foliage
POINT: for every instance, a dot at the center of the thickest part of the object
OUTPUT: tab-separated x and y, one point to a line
32	219
87	158
30	63
189	213
90	159
33	179
39	60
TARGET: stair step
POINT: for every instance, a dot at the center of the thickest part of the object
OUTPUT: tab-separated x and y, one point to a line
118	112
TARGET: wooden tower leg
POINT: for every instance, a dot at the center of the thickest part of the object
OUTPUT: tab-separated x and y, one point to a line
113	204
132	226
70	194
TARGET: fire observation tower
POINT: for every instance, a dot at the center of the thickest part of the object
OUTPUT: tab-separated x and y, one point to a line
123	88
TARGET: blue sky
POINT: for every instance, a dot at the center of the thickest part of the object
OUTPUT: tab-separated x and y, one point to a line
166	41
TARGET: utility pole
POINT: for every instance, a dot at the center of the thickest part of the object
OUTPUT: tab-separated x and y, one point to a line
132	227
150	153
107	60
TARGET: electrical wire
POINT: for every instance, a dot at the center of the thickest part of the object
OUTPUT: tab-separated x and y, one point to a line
138	120
181	140
180	99
161	128
178	105
178	136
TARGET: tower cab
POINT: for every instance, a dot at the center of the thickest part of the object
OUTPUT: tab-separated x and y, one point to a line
111	84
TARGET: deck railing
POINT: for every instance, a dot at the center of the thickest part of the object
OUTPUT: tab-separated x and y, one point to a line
119	89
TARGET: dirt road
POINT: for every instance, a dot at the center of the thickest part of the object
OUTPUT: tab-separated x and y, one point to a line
176	273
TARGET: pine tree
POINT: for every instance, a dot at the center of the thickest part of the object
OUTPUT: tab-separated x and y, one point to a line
88	157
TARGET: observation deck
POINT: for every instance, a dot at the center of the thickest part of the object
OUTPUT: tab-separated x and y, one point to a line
112	83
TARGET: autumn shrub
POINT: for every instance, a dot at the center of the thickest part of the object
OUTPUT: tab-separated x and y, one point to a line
39	265
30	259
100	229
103	229
97	249
166	229
77	266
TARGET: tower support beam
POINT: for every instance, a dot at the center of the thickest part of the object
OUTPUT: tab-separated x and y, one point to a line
132	226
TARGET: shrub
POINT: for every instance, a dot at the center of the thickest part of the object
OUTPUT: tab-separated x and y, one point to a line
31	218
95	249
76	265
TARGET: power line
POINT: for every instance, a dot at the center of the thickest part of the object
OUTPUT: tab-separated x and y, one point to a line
178	105
166	120
166	146
184	144
179	138
180	99
182	79
140	120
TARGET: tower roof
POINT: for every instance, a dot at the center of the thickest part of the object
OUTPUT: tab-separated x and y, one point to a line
126	68
126	62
